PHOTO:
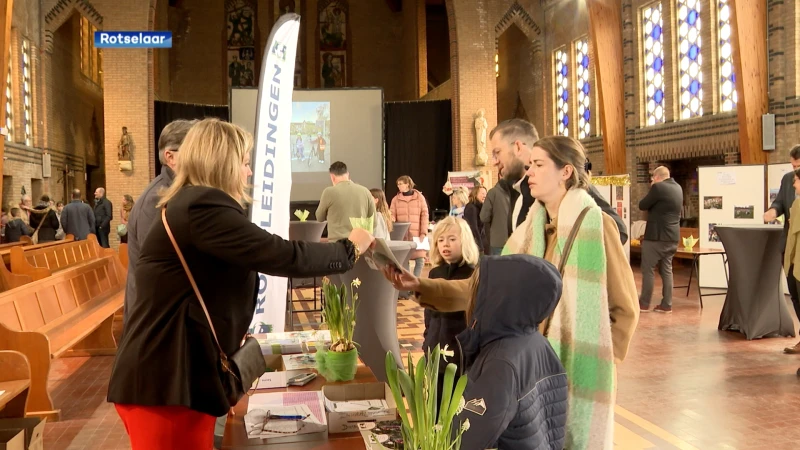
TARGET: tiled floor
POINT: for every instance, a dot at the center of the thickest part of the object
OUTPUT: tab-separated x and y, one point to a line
685	385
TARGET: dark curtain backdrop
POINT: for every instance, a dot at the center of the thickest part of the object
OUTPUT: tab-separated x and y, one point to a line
166	112
419	143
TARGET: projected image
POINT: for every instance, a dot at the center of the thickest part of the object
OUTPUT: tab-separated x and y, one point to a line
311	136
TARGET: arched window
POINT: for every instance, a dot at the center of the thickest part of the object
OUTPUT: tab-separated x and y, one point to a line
690	58
26	92
653	33
561	64
9	100
584	88
727	79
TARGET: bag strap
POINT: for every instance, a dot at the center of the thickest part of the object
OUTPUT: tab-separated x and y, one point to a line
565	256
41	221
194	285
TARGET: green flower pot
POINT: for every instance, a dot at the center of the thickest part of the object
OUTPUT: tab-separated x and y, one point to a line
337	366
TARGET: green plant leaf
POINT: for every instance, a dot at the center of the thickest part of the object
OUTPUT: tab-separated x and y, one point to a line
391	376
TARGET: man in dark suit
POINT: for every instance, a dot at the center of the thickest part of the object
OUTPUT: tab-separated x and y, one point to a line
781	206
103	213
663	205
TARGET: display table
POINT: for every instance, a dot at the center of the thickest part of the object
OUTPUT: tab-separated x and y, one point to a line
695	254
755	304
236	437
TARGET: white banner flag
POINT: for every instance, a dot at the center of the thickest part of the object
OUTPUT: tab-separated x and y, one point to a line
272	166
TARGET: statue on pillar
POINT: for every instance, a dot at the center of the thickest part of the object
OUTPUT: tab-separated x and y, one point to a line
124	150
481	127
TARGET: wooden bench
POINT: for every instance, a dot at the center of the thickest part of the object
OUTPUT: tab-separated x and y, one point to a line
15	381
10	280
70	313
40	262
123	255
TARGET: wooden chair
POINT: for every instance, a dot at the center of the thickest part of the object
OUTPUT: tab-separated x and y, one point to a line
40	262
70	313
15	380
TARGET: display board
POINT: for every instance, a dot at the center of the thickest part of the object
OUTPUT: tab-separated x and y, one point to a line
729	195
775	173
616	190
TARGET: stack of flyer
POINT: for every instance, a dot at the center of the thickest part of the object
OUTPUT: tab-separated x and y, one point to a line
283	417
293	342
382	435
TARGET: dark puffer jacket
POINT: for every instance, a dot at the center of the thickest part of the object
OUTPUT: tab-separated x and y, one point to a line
515	378
443	327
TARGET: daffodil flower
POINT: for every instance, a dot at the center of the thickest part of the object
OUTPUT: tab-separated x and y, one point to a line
356	282
465	425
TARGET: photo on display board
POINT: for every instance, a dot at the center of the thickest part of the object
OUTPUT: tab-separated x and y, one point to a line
773	194
310	138
712	233
744	212
620	192
714	202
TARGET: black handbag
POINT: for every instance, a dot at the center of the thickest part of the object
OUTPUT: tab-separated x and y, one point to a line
241	370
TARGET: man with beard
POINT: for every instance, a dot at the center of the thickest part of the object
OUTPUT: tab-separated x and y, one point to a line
511	142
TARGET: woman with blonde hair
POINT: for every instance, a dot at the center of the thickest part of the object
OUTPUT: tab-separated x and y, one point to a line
383	219
125	212
458	201
589	332
167	383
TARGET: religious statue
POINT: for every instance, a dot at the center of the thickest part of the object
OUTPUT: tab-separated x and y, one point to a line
125	149
480	138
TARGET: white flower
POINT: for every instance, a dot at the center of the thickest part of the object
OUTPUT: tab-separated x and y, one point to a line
437	428
446	352
356	282
465	425
461	404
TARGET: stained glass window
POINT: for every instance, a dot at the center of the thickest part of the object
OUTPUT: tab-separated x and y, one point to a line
727	79
9	101
653	27
690	58
561	60
584	88
26	91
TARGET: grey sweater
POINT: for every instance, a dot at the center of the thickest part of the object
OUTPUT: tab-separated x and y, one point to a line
494	214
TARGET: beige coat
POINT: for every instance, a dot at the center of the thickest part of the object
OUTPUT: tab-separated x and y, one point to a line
791	255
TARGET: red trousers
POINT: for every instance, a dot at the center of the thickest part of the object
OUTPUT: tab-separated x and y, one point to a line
167	427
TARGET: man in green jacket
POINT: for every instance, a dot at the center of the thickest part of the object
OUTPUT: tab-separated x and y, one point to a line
345	205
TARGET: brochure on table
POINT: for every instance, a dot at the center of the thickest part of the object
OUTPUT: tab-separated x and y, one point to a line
729	195
775	173
616	190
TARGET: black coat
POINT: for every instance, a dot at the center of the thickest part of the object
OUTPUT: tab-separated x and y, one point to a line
663	205
49	222
472	214
513	372
103	213
167	354
16	228
783	204
443	327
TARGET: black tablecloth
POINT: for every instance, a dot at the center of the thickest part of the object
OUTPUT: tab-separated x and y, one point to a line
755	304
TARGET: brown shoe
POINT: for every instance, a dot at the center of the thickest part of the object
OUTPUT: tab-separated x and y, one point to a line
661	309
795	350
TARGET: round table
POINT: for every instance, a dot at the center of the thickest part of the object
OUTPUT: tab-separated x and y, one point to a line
755	304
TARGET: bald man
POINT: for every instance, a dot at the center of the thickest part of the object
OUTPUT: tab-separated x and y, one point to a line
663	205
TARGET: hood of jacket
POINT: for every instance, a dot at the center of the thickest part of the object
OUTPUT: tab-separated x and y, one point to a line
515	294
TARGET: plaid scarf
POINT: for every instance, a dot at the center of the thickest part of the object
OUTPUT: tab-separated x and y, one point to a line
580	331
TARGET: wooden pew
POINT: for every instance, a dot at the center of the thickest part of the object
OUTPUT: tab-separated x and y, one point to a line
70	313
15	380
40	262
123	255
11	244
6	253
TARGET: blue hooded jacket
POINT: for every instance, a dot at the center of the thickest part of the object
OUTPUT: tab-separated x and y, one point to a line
515	378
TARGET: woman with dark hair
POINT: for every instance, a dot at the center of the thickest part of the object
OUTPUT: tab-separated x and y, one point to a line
409	205
472	214
43	218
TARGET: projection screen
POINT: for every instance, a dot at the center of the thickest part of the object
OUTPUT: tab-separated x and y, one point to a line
328	125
